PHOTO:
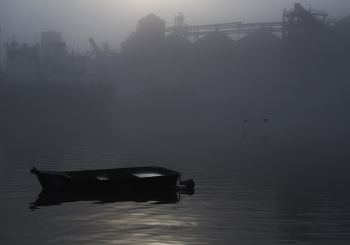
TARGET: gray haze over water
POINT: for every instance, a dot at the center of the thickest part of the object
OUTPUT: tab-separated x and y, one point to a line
282	181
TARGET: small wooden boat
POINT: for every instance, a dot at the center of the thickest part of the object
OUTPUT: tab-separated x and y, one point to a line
135	178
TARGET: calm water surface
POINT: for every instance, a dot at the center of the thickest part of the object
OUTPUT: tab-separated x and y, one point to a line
254	184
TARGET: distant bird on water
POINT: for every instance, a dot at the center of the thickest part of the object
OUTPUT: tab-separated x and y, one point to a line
265	120
245	120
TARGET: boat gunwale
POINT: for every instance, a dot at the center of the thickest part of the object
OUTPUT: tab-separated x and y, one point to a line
131	171
90	178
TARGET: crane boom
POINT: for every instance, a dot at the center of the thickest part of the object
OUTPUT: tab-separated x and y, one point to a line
97	50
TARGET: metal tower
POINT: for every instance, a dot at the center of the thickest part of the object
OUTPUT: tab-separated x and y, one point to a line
302	29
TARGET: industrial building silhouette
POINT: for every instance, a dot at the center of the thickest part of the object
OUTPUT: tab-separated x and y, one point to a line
314	42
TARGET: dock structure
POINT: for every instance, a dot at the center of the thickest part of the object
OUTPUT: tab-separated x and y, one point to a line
298	28
303	28
227	28
295	19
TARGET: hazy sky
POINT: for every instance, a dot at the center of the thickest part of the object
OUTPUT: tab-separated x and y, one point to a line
113	20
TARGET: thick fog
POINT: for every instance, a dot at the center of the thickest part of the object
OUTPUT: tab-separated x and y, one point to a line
248	72
261	125
111	20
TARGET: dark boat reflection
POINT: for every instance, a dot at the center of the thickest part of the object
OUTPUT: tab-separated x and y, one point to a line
49	198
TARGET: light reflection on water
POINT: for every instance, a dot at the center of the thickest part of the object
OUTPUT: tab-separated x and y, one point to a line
243	194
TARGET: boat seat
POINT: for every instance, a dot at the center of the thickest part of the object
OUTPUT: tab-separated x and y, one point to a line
102	176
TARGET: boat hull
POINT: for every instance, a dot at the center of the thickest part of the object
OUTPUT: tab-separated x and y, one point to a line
136	178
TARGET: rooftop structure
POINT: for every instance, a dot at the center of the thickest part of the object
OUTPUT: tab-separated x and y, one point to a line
150	28
47	38
50	62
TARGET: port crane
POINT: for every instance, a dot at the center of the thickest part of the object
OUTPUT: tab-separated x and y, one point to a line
105	63
98	52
